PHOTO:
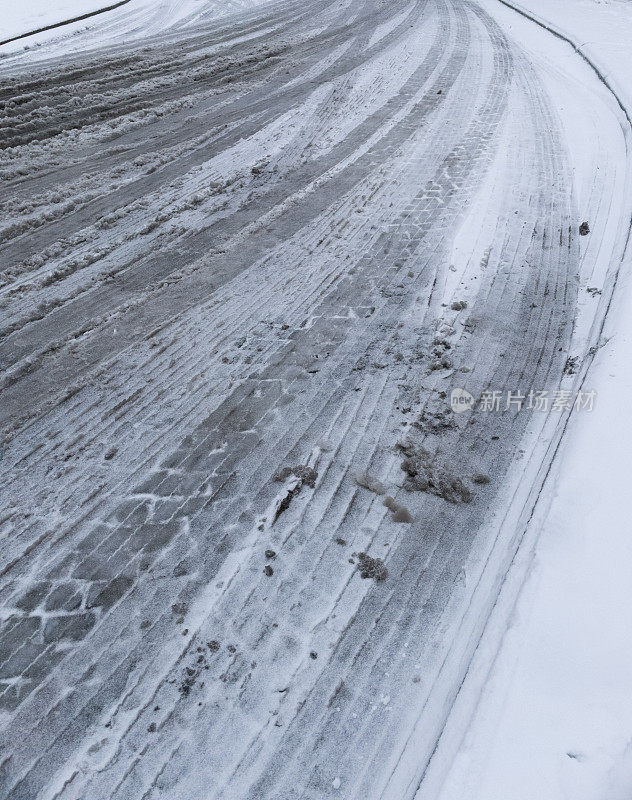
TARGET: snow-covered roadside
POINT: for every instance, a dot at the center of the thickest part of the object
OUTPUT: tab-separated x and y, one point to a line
133	20
554	719
601	29
20	18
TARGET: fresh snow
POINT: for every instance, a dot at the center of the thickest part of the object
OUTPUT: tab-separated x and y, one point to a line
30	15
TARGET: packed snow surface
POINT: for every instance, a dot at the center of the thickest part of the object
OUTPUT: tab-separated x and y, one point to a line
248	251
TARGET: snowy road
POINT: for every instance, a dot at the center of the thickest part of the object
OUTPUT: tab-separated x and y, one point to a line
242	262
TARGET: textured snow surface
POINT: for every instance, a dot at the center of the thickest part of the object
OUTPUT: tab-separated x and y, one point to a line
246	253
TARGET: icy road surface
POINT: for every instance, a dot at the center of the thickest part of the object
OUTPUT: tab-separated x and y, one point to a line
244	262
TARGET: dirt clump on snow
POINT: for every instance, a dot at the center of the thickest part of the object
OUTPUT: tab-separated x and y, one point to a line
400	513
284	504
371	567
436	421
442	362
192	673
584	229
441	343
425	473
440	357
306	475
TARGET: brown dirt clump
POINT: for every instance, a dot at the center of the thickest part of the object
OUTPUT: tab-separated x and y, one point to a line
426	474
371	567
400	513
307	475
